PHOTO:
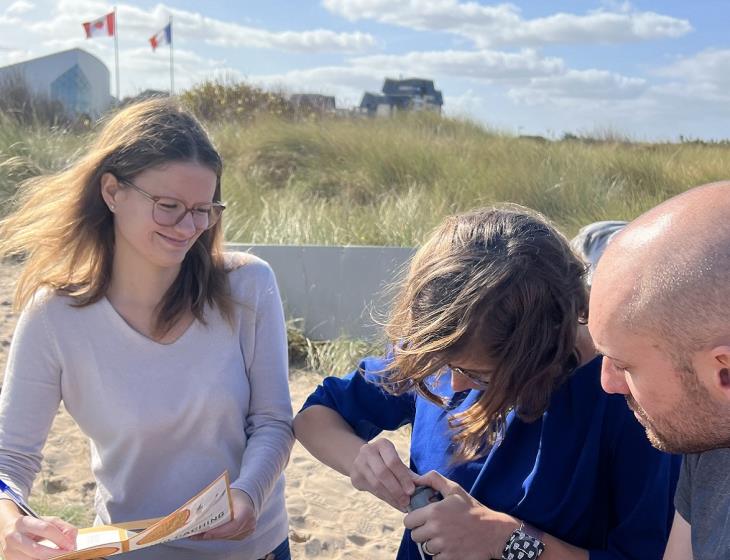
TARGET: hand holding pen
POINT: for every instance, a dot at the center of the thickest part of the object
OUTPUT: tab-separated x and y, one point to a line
21	529
17	499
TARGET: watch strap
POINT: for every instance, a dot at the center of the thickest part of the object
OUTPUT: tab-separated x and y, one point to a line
522	545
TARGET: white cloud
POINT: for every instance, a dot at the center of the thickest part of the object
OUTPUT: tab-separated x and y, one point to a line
503	24
483	64
466	105
11	56
347	84
60	29
135	23
705	75
597	27
20	7
152	72
189	26
579	85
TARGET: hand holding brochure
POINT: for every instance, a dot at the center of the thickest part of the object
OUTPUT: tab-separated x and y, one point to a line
210	508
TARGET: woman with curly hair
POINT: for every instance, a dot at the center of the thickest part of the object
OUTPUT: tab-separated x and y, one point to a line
492	367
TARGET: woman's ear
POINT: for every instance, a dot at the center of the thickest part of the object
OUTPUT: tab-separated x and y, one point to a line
109	190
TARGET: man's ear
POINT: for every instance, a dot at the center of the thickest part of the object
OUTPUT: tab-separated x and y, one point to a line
721	370
109	190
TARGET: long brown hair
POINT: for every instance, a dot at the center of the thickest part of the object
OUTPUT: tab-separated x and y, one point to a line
65	232
502	279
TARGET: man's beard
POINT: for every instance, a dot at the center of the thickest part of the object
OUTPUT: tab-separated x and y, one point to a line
694	426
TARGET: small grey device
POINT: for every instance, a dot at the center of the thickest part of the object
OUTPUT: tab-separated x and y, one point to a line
423	496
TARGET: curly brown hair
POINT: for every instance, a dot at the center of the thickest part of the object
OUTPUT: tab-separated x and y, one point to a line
502	278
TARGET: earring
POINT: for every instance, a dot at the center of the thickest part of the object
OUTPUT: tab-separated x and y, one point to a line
112	207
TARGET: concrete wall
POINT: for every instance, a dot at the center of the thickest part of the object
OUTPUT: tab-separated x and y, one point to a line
333	289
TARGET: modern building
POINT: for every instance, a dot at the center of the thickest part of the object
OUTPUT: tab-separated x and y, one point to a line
413	94
75	78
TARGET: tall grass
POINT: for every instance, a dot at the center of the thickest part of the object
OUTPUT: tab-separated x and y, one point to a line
327	180
389	182
78	514
327	357
27	151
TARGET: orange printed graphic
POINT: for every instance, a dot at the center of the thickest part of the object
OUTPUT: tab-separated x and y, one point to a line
167	527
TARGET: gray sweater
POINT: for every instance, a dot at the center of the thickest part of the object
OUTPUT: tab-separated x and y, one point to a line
163	420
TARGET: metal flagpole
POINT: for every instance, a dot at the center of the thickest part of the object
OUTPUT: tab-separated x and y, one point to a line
116	49
172	64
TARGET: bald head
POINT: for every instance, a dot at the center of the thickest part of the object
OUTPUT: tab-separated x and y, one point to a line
668	272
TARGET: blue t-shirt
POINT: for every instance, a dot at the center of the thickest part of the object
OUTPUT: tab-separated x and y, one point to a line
584	472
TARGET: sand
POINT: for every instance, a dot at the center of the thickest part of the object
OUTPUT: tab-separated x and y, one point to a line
328	518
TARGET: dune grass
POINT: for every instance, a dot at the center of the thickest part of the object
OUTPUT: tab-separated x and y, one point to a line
75	513
27	151
390	181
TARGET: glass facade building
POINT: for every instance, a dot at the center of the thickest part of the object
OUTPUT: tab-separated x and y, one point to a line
73	90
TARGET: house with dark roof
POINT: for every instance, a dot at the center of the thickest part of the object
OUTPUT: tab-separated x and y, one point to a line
413	94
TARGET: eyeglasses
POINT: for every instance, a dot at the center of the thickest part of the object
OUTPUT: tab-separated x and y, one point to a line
167	211
475	377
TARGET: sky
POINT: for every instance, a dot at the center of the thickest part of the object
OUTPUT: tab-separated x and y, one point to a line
649	70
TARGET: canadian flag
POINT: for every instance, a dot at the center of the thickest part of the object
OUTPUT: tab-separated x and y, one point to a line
105	26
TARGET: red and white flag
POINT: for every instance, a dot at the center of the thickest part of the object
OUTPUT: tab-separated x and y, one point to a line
105	26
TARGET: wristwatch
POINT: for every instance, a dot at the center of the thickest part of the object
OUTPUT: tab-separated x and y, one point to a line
524	544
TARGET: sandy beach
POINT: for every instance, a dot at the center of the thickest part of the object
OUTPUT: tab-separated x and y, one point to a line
328	518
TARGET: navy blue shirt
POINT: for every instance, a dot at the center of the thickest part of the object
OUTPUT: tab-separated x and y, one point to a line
584	472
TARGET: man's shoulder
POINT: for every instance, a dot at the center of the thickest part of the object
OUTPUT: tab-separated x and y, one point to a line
714	458
706	468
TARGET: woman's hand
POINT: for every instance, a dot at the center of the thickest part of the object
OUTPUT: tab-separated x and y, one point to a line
19	536
242	524
378	469
458	527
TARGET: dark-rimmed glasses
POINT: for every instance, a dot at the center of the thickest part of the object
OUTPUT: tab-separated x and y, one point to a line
475	377
168	211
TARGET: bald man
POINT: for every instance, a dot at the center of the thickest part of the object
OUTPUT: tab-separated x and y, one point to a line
660	314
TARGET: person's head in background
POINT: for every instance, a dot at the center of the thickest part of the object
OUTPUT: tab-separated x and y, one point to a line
592	240
496	295
145	194
660	314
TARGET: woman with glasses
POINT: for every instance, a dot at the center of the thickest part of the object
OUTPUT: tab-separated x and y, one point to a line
492	367
170	355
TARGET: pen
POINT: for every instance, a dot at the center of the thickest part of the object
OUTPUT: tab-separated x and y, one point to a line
18	500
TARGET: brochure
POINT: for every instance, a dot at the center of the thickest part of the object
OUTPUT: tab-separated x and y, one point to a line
210	508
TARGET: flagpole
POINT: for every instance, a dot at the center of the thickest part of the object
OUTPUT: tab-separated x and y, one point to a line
172	64
116	49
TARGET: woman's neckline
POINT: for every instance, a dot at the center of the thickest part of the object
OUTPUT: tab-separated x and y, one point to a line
119	319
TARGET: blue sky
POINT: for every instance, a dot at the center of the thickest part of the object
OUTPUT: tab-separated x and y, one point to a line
646	69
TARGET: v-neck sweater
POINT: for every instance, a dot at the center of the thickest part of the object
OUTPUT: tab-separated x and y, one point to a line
163	420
